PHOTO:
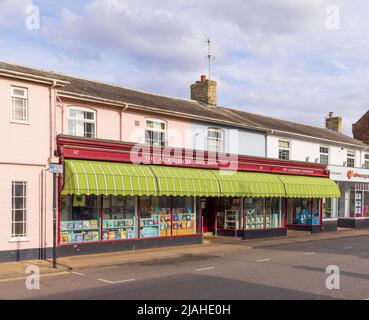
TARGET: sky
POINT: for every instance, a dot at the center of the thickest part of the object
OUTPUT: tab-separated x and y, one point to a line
291	59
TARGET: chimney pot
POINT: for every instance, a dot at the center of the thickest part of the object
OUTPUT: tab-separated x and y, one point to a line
330	115
203	78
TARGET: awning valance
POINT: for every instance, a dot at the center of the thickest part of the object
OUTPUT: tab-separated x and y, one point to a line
250	184
309	187
173	181
108	178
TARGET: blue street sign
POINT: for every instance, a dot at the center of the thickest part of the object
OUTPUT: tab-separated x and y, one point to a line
56	168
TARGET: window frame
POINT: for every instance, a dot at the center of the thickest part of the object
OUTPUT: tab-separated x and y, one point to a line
156	130
348	157
24	221
84	121
366	160
327	154
25	108
220	147
284	149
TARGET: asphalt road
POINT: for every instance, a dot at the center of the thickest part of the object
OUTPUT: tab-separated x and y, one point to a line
281	272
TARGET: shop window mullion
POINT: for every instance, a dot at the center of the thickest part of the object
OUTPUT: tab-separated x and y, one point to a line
286	213
243	214
102	217
139	217
171	216
265	212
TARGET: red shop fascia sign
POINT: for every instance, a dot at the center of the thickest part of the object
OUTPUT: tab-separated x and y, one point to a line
105	150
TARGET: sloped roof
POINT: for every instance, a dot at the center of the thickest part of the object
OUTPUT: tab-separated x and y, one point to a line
363	117
297	128
188	108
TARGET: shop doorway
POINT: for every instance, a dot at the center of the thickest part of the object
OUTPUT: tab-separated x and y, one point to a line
209	212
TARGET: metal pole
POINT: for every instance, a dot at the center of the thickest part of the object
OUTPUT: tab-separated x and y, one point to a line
54	220
235	225
216	224
202	225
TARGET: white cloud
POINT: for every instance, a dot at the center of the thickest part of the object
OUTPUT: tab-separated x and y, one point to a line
275	57
12	10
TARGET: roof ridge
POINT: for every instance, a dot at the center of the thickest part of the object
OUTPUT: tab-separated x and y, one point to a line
230	110
28	67
292	122
116	85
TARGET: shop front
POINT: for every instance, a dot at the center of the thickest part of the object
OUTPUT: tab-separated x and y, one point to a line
120	205
351	209
272	203
107	203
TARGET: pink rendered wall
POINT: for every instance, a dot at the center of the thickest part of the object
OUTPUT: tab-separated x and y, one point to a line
107	119
132	126
25	149
178	131
25	143
39	224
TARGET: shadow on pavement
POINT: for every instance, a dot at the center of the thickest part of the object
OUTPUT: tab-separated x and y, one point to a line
357	246
343	273
187	287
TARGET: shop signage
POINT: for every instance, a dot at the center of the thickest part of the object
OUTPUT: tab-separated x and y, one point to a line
349	174
56	168
298	171
186	158
167	160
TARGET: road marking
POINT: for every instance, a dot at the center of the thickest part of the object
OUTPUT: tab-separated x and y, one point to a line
347	248
116	282
309	253
48	275
78	274
204	269
263	260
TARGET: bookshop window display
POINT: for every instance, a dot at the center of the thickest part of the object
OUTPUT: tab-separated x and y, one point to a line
274	213
263	213
155	217
230	214
303	211
124	218
120	218
79	219
330	209
184	216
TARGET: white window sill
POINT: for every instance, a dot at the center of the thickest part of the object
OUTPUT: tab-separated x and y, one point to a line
19	240
20	122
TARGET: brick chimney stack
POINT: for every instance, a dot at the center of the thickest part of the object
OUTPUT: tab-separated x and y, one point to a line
205	91
333	123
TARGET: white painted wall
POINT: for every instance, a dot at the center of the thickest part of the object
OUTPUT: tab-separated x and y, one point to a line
236	141
303	149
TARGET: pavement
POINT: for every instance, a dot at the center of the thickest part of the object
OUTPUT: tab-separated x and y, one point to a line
294	270
211	246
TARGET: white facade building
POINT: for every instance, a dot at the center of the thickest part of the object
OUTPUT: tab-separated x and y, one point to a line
348	164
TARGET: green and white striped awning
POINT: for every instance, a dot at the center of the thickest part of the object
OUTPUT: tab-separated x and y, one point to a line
250	184
108	178
310	187
173	181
